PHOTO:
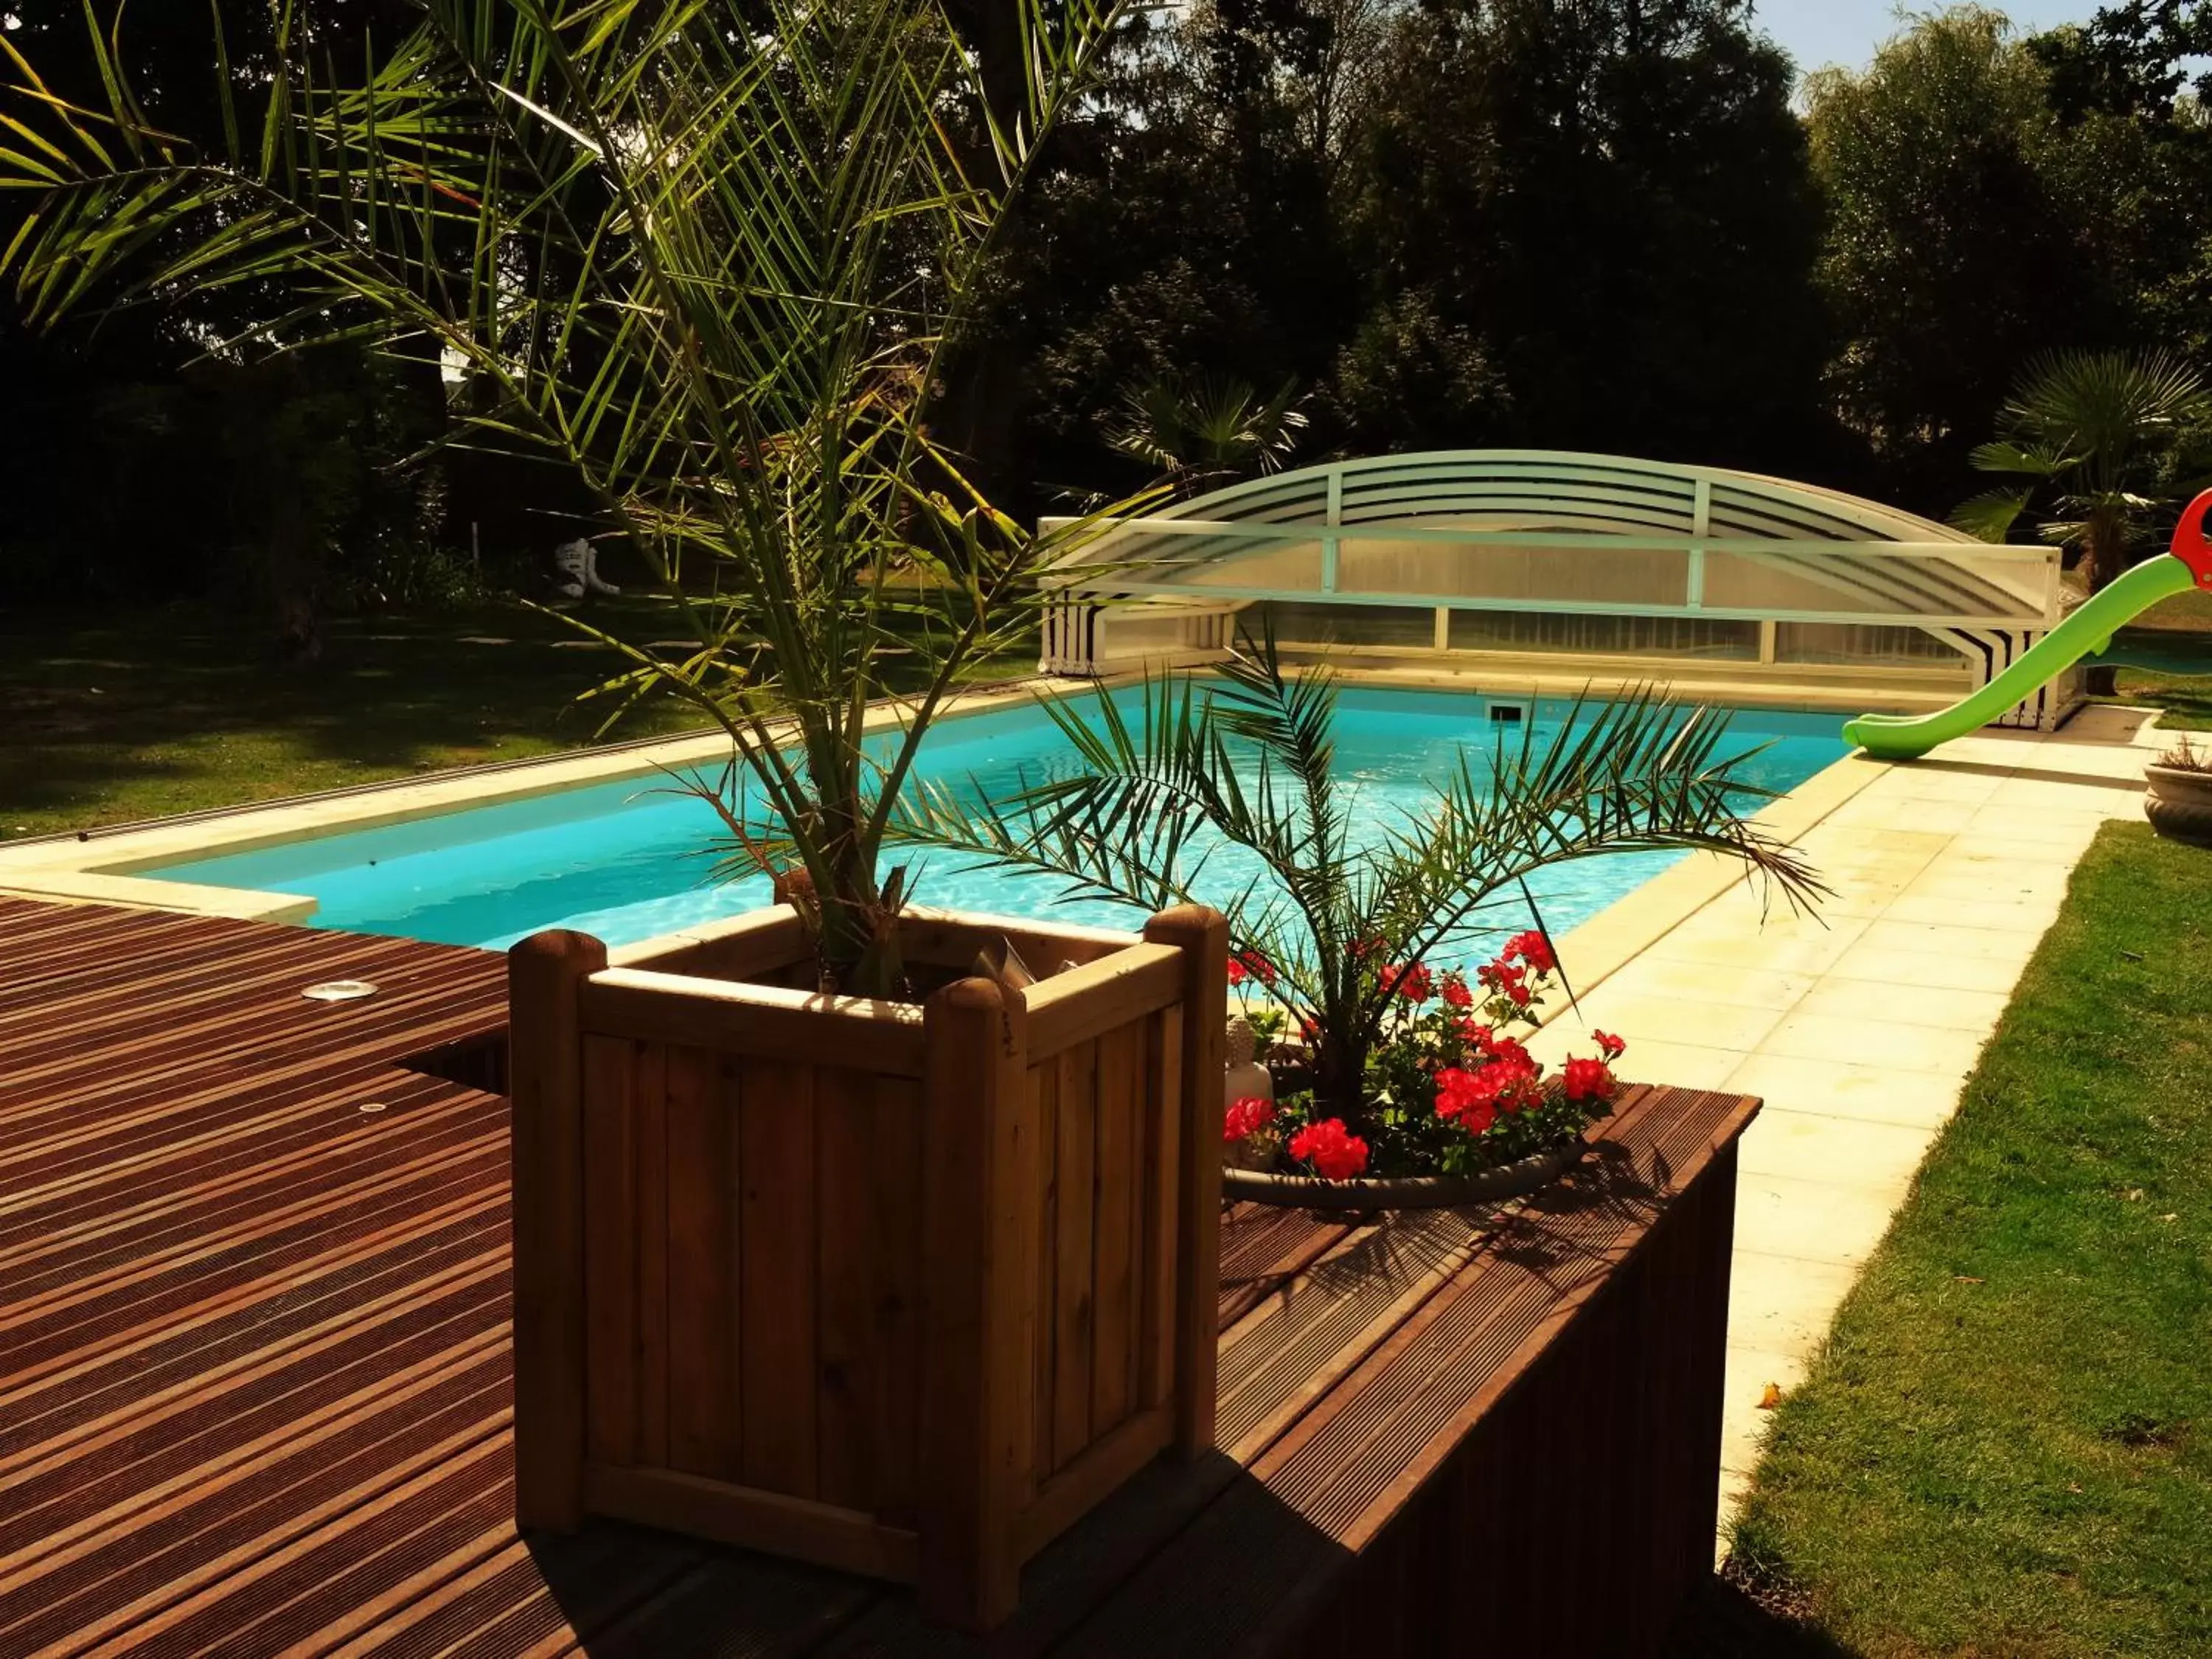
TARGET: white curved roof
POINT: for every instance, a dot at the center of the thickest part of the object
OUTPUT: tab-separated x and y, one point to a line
1557	530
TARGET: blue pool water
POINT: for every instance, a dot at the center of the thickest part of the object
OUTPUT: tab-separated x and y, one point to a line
629	860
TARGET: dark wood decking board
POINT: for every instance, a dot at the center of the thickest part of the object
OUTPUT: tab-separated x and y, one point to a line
255	1383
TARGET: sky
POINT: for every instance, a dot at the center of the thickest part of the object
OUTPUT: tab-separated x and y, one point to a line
1818	33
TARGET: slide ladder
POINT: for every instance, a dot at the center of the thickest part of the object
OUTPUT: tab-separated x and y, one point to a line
2087	630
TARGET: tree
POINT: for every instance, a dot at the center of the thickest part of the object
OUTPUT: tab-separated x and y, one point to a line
1982	209
1205	429
1587	227
2089	431
1180	229
251	479
709	274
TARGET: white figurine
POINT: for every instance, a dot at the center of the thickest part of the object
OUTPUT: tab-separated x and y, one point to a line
1241	1078
578	563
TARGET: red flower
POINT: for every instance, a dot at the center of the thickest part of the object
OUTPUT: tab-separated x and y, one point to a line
1470	1097
1508	1081
1455	992
1335	1154
1248	1116
1415	983
1253	963
1506	981
1364	948
1609	1045
1588	1079
1308	1030
1532	948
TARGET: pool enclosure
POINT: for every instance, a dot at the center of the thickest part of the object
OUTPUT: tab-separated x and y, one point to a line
1523	566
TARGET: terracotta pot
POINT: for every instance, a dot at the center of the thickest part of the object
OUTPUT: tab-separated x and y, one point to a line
1404	1192
2179	805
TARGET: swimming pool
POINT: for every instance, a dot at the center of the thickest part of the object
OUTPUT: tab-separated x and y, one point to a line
629	860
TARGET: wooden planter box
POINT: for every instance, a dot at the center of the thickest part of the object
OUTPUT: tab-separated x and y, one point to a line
903	1289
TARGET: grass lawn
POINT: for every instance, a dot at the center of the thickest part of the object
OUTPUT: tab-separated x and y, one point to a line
142	714
2005	1447
2186	698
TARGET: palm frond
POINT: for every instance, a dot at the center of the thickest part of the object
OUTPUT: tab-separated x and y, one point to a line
1991	514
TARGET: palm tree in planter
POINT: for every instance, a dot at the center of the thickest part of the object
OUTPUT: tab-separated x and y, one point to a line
710	259
1397	1067
2087	433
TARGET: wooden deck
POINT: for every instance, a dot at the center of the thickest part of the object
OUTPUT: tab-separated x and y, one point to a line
255	1397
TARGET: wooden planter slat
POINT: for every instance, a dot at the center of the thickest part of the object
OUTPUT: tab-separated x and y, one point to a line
1203	937
903	1289
691	1358
766	1022
1101	996
1161	1217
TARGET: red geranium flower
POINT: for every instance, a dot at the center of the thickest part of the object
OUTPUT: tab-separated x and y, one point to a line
1235	971
1455	992
1586	1080
1609	1045
1506	981
1255	963
1414	982
1247	1116
1335	1154
1532	948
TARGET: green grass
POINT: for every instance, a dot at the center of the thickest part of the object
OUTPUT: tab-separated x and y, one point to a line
2005	1447
2187	613
2186	698
114	720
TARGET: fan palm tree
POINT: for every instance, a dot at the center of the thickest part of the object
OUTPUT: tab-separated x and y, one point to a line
1153	803
706	258
2085	430
1207	426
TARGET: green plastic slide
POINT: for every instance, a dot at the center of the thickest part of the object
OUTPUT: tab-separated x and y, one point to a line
2089	630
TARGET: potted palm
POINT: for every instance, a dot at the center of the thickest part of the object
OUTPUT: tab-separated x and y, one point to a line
1400	1076
838	1231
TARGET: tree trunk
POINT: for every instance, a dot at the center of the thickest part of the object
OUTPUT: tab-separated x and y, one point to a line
2100	561
1341	1082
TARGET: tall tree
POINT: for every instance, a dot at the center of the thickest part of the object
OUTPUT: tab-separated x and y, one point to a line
1976	219
1182	227
1601	209
266	483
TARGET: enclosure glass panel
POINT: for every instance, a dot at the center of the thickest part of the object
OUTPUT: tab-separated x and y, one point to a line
1398	627
1612	636
1852	643
1262	564
1448	570
1903	584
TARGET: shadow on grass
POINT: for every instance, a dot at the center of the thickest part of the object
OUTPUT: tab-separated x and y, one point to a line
1730	1616
119	718
178	710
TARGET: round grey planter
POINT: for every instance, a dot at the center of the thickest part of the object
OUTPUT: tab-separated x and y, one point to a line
1300	1192
2179	804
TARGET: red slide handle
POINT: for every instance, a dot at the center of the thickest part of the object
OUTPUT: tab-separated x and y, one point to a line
2190	545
